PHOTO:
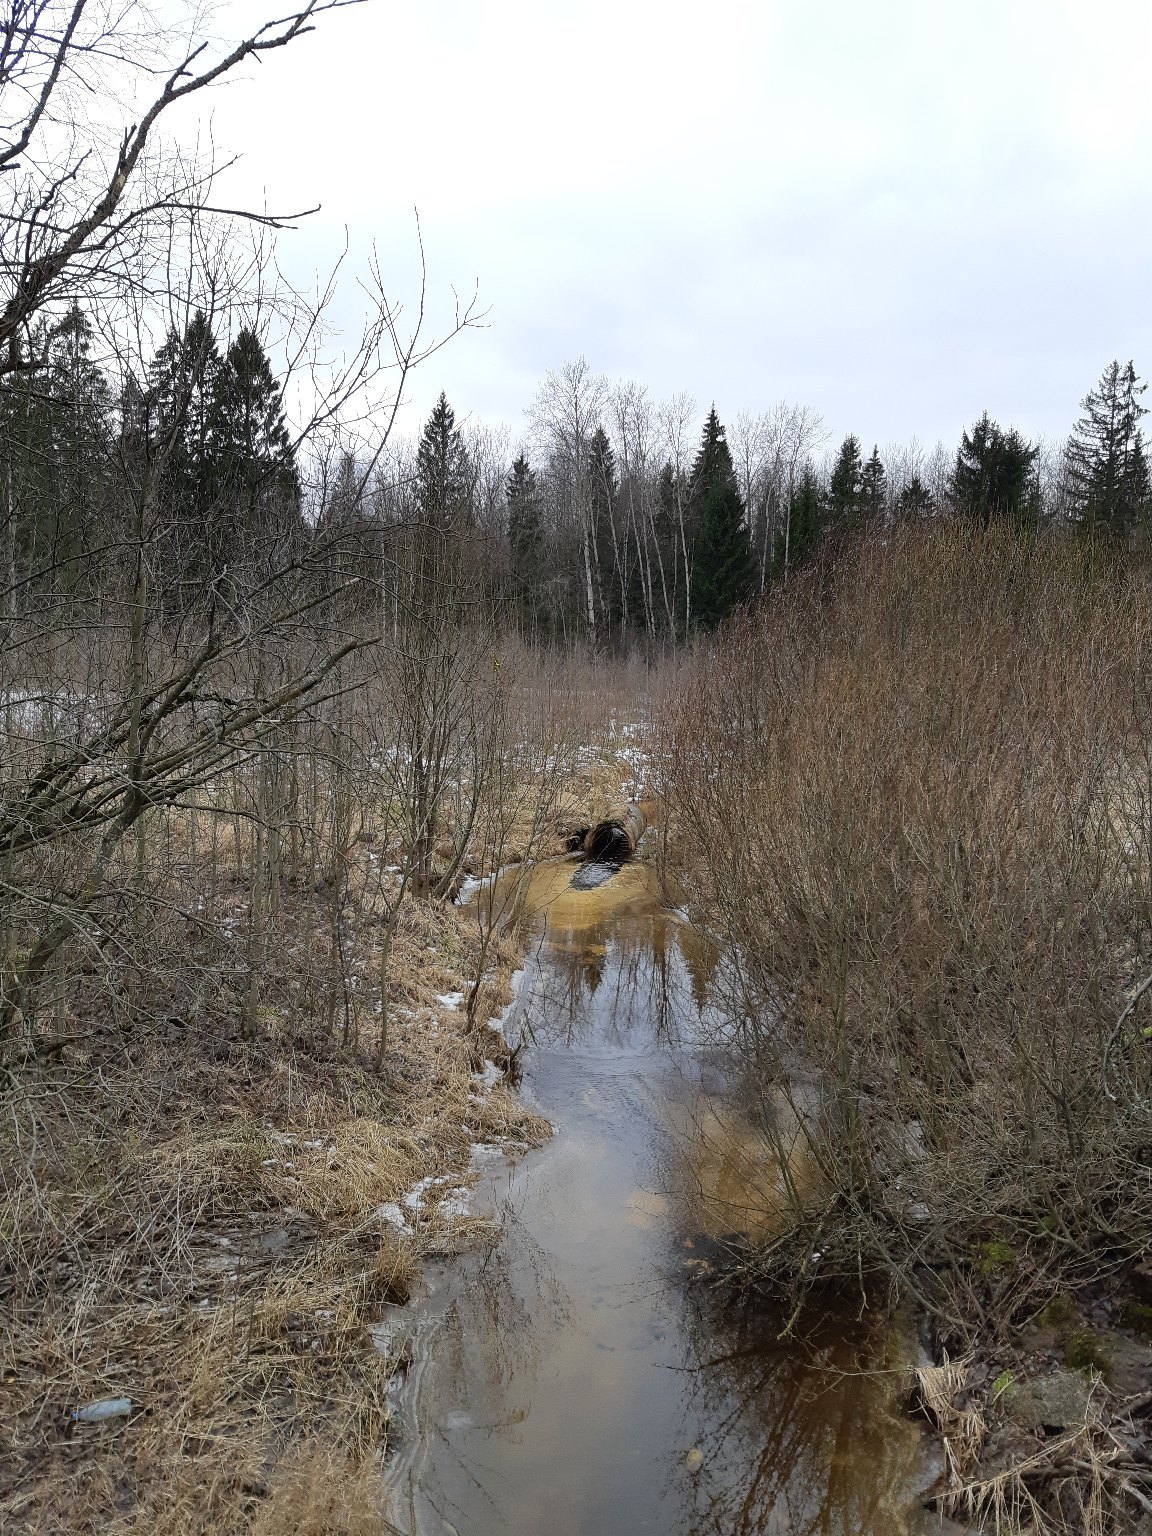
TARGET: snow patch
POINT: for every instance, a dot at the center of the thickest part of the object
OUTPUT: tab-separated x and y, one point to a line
490	1076
455	1204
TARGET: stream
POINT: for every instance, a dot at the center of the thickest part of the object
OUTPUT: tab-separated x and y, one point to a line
579	1376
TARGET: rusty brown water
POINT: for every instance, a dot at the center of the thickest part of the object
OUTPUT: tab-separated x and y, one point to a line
579	1376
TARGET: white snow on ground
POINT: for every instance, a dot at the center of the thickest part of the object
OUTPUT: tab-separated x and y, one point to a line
515	981
414	1199
471	884
485	1081
455	1204
451	999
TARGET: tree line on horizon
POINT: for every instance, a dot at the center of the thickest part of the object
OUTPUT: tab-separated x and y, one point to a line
616	521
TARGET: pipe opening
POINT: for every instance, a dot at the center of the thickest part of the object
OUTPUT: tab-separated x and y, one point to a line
613	840
608	844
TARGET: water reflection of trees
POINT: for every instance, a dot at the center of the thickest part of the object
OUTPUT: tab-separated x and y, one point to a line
634	989
795	1437
799	1436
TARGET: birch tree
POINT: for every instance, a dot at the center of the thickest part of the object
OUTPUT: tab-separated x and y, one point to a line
564	418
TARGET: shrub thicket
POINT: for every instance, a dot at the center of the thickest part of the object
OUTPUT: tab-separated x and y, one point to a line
913	801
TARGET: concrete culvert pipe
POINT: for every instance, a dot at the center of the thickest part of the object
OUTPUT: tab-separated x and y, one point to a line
613	840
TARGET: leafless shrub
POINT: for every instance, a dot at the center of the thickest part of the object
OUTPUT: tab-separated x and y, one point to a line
912	803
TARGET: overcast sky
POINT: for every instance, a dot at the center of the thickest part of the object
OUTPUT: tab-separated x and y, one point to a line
899	212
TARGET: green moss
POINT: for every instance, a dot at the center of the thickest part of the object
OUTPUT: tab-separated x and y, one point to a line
1059	1314
995	1255
1083	1350
1137	1315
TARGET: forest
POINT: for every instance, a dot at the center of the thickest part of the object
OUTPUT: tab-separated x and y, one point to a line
617	522
297	711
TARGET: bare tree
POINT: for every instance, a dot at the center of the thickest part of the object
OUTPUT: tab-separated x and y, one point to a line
121	700
87	199
634	432
564	416
677	420
782	441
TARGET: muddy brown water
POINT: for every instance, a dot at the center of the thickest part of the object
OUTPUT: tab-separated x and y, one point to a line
579	1376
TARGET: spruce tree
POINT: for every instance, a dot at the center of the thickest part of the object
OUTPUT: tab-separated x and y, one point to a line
873	489
1140	489
603	483
603	488
915	501
723	568
799	541
713	463
1107	471
257	470
443	471
993	477
55	437
79	394
844	485
344	501
525	531
182	407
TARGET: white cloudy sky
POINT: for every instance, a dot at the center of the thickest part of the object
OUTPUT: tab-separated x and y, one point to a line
899	212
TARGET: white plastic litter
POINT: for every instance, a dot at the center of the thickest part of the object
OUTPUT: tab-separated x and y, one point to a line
104	1408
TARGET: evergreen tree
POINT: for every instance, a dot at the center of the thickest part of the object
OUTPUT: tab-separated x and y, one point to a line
184	385
603	483
672	492
844	486
344	501
873	489
525	531
183	433
915	501
256	465
443	471
603	488
55	435
807	519
79	398
993	476
723	567
1140	489
713	463
1107	470
671	497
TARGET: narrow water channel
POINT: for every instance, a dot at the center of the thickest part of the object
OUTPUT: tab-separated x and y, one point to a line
580	1376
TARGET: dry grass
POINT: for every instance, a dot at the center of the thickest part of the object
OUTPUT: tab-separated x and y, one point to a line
957	1415
190	1220
1092	1479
